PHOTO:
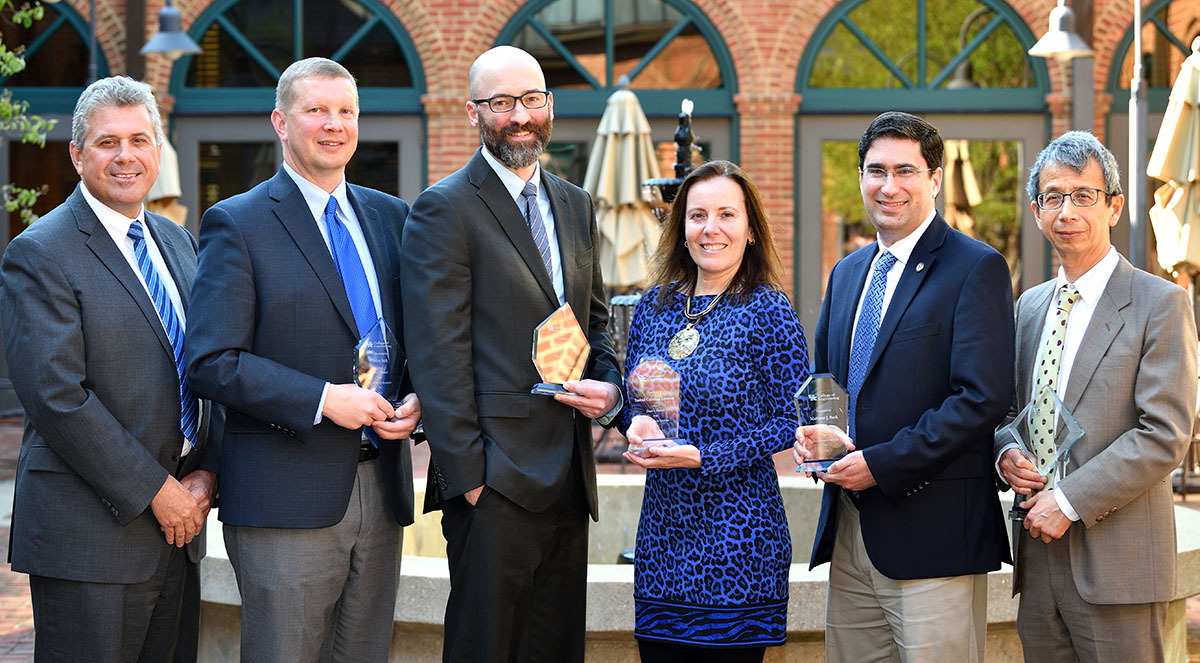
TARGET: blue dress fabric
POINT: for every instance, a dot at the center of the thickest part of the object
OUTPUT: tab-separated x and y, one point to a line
713	547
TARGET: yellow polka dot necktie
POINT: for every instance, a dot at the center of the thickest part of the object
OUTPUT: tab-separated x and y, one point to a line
1048	366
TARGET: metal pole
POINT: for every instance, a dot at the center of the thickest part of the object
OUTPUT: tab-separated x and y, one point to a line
93	74
1137	194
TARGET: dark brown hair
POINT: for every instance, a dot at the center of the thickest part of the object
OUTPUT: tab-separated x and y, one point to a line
672	267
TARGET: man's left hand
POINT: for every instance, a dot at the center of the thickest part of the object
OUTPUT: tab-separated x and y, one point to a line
1045	521
850	472
591	397
408	415
202	484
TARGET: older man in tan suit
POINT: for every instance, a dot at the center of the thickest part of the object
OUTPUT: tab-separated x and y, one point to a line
1118	346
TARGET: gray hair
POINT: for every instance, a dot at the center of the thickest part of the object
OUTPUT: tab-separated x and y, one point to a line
285	90
118	91
1075	149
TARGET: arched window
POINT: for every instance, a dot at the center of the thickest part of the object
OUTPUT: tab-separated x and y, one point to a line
668	48
1168	29
248	44
56	60
964	55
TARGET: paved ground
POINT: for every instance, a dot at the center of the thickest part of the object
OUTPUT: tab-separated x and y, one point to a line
16	619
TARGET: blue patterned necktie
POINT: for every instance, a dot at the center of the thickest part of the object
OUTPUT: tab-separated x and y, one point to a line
533	217
188	408
865	332
349	265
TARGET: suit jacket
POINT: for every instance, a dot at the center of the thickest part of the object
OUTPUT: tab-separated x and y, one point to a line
938	383
1133	390
475	288
270	325
96	374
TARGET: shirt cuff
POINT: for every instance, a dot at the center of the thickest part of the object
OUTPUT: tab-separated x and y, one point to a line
321	404
1064	505
612	414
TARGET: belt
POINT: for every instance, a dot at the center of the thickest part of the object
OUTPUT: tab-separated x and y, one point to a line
367	451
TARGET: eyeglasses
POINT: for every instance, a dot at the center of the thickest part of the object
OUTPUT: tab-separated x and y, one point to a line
902	174
503	103
1079	197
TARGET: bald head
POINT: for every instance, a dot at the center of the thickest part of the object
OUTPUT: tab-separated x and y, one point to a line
503	60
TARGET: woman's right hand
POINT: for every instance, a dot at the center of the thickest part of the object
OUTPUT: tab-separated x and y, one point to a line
642	428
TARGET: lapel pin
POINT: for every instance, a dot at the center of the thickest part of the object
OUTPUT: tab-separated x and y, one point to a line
920	266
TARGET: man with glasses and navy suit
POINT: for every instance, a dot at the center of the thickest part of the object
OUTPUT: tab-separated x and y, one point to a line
490	252
318	472
918	327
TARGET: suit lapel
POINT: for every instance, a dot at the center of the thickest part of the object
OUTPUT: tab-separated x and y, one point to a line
101	244
1029	332
171	251
293	212
502	206
567	228
1106	322
374	230
910	282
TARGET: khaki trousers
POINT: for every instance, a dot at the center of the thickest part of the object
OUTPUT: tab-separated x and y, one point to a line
872	618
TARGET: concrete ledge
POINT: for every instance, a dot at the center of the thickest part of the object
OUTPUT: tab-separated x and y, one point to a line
425	586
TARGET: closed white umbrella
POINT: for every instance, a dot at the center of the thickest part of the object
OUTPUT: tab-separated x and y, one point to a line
622	157
1176	160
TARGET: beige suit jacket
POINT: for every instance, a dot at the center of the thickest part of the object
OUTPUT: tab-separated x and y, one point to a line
1133	390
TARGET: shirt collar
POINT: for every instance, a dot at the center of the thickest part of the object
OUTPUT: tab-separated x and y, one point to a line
116	223
512	182
316	197
903	247
1093	282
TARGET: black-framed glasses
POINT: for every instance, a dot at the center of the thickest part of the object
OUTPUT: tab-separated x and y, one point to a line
503	103
1085	197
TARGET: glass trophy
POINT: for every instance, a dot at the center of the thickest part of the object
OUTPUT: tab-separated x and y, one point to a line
560	351
654	389
828	402
1048	411
375	362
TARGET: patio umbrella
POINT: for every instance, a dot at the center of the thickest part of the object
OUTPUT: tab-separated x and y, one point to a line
1176	160
622	157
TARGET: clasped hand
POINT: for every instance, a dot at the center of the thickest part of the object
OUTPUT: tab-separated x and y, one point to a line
181	505
850	472
351	406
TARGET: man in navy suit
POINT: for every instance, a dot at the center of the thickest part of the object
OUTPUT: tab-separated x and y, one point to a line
918	327
292	274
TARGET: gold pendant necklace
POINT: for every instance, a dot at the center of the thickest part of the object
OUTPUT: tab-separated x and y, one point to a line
686	340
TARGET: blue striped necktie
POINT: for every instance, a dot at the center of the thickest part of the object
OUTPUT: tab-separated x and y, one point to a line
349	265
866	331
533	216
188	408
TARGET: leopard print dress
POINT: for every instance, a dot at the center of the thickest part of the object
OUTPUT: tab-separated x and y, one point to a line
713	548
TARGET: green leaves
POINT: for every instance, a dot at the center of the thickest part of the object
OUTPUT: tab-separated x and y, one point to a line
14	115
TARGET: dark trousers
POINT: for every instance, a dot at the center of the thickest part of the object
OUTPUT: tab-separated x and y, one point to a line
153	621
653	651
518	580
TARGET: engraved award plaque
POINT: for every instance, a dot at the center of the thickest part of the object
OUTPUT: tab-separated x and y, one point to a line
828	402
560	351
375	359
654	388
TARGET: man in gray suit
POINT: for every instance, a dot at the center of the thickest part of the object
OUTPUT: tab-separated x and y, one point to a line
1118	347
115	477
